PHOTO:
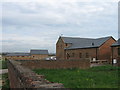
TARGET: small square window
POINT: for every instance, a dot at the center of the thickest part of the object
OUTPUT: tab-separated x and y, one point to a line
80	55
66	44
73	54
87	55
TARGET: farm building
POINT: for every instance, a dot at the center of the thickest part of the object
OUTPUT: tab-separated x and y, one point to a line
77	48
33	55
39	54
115	50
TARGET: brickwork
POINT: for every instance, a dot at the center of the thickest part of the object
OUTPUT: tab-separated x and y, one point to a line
22	77
38	57
32	57
36	64
91	53
105	50
60	54
114	54
19	57
100	53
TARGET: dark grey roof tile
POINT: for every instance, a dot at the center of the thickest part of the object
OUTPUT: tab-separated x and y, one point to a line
18	54
84	42
39	52
116	43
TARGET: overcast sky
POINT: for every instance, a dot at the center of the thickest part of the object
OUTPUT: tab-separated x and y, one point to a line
37	25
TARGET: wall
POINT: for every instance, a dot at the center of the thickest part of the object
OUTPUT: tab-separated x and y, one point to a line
115	54
19	57
38	57
60	45
35	64
105	50
32	57
91	53
22	77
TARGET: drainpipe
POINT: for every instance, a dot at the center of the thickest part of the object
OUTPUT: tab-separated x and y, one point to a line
96	54
112	55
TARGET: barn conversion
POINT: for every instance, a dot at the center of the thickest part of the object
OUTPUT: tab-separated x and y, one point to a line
116	51
33	55
77	48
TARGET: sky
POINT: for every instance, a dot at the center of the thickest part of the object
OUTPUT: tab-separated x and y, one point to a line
38	25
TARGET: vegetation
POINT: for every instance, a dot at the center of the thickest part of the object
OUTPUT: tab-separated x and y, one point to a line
95	77
3	64
5	81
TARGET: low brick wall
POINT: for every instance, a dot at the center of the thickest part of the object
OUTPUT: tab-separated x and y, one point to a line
22	77
52	64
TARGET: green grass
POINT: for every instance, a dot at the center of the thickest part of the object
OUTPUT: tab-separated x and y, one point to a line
96	77
5	79
3	64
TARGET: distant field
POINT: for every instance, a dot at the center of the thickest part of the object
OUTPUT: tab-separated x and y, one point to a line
96	77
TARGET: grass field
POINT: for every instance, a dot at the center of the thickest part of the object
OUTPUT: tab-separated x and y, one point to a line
96	77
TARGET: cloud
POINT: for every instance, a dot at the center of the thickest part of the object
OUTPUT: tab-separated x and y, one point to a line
53	1
38	25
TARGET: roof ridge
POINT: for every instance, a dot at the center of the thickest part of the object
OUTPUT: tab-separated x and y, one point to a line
104	37
39	49
77	37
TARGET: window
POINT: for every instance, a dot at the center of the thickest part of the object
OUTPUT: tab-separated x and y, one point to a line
80	55
68	56
73	54
119	51
87	55
33	56
66	44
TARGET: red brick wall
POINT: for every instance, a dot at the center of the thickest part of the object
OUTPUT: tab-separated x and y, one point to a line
22	77
19	58
32	57
105	50
60	49
114	54
33	64
91	53
38	57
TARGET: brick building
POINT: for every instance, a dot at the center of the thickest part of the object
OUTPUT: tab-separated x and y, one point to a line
33	55
77	48
39	54
115	51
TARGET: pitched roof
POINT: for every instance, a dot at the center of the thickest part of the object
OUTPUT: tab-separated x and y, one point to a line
116	43
84	42
18	54
39	52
